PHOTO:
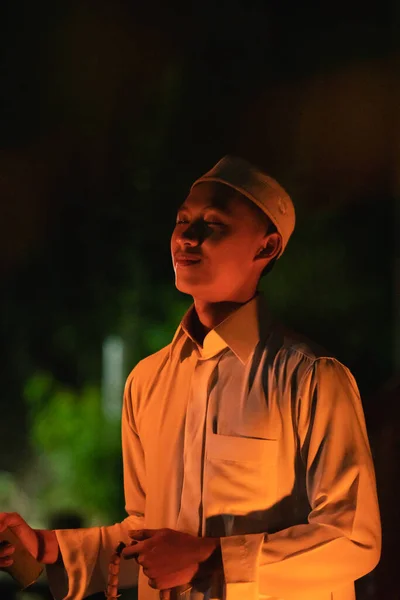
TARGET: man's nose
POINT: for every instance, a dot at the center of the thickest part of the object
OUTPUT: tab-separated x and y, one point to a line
191	235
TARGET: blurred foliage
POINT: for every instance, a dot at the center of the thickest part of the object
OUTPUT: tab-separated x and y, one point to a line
82	468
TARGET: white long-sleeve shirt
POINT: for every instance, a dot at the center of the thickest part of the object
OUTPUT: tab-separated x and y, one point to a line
257	437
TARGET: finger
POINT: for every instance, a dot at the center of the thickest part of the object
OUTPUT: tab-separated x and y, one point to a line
165	594
149	572
6	549
9	520
142	534
128	553
6	562
132	550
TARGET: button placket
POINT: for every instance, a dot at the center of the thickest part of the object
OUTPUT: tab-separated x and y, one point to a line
190	517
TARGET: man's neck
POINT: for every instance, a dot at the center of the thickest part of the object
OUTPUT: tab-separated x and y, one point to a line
210	314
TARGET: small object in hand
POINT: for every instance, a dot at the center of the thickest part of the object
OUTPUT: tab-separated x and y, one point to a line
181	592
111	592
25	568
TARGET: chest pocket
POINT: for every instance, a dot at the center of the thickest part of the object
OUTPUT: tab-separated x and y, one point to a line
240	476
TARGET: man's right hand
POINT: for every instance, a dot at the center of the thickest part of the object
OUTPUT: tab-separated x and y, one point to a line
41	543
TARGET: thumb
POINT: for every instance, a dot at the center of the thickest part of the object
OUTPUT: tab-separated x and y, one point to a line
142	534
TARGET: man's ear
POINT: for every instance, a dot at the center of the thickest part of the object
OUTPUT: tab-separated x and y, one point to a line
271	247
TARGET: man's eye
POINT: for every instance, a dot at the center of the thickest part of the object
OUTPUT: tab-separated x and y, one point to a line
183	221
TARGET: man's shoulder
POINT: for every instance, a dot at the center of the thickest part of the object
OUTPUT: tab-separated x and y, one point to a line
151	365
292	355
293	344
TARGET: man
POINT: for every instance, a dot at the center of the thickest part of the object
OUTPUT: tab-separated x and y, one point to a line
247	468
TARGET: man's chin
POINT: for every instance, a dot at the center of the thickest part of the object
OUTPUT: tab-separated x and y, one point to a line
185	287
190	287
204	293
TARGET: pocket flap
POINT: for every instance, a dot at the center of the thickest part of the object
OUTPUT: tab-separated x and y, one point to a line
238	449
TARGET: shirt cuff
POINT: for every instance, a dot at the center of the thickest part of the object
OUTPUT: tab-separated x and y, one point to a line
79	549
86	554
240	559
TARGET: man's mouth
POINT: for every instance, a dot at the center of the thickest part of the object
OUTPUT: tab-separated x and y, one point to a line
186	260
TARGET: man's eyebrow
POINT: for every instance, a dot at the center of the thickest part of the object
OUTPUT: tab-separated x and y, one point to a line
221	209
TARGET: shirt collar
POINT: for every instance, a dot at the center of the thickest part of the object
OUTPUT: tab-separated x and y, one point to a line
240	332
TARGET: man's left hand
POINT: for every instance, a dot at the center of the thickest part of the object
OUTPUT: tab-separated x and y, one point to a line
169	558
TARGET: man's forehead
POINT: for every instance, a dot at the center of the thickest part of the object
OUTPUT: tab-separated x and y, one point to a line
212	195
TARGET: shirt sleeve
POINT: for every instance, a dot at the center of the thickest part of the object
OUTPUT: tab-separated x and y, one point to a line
342	539
86	552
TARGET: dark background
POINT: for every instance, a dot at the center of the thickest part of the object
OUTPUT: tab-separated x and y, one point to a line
108	111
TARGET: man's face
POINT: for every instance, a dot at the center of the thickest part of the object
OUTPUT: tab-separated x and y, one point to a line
215	244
